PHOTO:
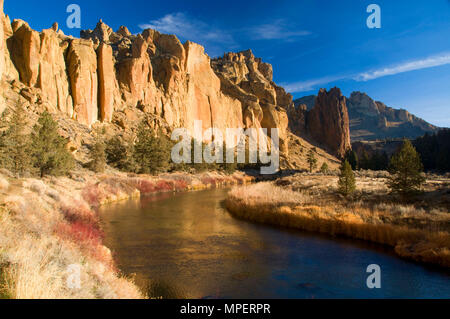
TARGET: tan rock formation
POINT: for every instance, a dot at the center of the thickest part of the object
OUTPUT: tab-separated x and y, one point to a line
82	68
107	83
249	80
328	122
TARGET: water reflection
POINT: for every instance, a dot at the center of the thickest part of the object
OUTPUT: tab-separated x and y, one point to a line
188	246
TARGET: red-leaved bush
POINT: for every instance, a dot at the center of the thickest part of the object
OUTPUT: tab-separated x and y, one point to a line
145	186
180	185
92	195
80	232
164	186
79	212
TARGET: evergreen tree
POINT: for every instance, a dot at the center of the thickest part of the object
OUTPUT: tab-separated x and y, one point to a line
119	154
364	163
15	143
352	158
98	155
312	160
152	152
324	168
347	184
49	149
405	170
228	168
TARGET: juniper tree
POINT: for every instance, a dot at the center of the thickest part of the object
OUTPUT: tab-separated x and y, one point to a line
15	142
97	155
312	160
346	181
352	159
49	149
324	168
405	170
151	151
120	154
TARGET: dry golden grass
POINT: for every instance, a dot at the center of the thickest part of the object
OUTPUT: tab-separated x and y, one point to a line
48	225
413	232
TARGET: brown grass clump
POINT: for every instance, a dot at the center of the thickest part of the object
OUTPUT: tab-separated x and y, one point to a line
414	233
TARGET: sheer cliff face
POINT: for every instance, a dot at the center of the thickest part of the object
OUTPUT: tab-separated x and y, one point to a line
328	122
372	120
249	80
106	76
325	122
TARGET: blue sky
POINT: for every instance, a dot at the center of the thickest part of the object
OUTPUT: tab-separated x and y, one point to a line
310	43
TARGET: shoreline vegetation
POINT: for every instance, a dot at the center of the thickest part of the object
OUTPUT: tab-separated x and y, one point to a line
314	204
50	224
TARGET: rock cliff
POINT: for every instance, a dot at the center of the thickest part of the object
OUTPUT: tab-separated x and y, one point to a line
326	122
118	78
371	120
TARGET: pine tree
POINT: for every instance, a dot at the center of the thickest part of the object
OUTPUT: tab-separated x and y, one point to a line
405	170
312	160
49	151
119	154
364	163
324	168
352	158
151	152
15	142
98	155
346	182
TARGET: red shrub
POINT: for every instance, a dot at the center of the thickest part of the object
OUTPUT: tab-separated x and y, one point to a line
164	186
92	195
180	185
80	232
208	180
145	186
77	212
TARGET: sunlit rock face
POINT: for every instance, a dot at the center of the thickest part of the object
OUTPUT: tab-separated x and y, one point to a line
249	80
111	76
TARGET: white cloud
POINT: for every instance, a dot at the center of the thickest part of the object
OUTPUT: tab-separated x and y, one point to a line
429	62
304	86
433	61
277	30
189	28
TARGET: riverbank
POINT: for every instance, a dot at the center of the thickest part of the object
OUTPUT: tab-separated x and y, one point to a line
49	228
311	204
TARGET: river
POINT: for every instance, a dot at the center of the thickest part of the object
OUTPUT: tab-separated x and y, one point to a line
188	246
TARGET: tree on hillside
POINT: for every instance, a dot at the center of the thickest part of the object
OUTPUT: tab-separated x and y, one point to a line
49	149
97	155
352	158
15	142
119	154
364	162
152	152
324	168
346	183
311	160
405	170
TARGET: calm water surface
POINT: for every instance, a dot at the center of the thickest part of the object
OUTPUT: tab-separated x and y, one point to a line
188	246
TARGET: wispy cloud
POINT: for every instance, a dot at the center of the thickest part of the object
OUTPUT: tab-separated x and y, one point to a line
429	62
190	28
277	30
309	85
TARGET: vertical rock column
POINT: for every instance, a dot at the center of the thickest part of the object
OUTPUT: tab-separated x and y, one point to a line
106	82
82	67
